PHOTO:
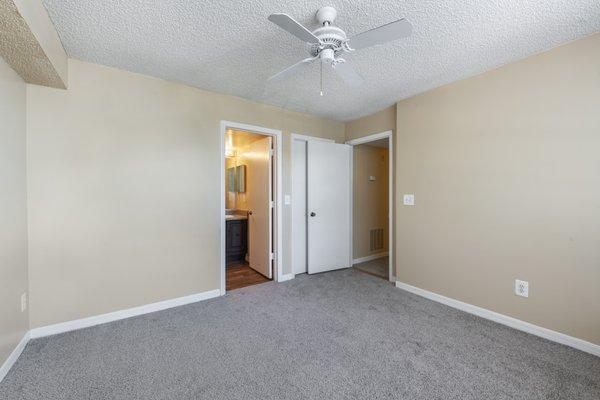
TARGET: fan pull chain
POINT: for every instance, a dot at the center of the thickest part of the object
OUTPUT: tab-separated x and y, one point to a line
321	77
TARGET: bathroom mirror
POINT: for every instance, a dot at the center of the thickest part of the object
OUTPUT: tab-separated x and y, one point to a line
241	178
231	185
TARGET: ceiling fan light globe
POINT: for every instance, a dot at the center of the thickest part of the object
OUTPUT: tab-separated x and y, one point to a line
327	56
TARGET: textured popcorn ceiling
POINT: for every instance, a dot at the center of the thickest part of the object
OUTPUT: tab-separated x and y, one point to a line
229	46
21	50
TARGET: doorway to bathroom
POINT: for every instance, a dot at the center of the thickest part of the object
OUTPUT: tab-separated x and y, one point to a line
251	214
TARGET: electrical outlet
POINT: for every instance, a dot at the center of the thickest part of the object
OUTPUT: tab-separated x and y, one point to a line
521	288
23	302
409	199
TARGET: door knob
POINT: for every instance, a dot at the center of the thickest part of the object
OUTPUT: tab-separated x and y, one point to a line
312	214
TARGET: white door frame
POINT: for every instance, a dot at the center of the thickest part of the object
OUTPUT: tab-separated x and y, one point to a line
277	134
391	244
305	138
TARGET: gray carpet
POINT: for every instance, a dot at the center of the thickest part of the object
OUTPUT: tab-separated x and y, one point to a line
378	267
339	335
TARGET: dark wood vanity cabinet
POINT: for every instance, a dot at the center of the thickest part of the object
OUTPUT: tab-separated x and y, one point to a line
236	238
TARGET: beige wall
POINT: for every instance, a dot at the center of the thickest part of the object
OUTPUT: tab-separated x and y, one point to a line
382	121
124	189
370	198
13	214
505	168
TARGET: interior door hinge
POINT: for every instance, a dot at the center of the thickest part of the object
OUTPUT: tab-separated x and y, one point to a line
272	256
271	204
271	152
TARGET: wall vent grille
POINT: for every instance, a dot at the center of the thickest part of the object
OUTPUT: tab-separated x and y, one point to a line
376	239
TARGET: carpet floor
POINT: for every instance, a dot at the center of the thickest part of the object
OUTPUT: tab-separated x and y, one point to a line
337	335
378	267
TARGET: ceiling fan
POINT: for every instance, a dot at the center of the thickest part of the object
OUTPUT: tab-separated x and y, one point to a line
328	43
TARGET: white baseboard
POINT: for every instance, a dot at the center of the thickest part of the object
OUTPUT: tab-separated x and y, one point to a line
100	319
369	258
12	358
545	333
121	314
286	277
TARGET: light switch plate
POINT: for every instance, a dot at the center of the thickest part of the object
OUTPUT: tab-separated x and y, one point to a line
371	178
287	199
409	199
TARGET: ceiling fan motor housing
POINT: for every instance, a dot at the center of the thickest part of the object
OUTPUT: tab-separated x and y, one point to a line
332	39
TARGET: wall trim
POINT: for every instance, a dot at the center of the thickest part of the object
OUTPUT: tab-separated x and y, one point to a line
369	258
518	324
370	138
287	277
100	319
121	314
297	136
12	358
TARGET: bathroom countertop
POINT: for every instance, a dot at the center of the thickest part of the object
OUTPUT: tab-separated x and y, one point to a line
235	217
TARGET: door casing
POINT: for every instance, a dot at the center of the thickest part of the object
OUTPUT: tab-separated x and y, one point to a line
278	274
391	151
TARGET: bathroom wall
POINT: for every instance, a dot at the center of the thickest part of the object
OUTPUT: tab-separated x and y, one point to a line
238	142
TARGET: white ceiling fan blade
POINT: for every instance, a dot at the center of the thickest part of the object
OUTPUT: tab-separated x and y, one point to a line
348	74
289	24
289	71
385	33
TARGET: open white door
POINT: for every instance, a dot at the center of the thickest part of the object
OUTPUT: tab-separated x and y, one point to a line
259	200
328	206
